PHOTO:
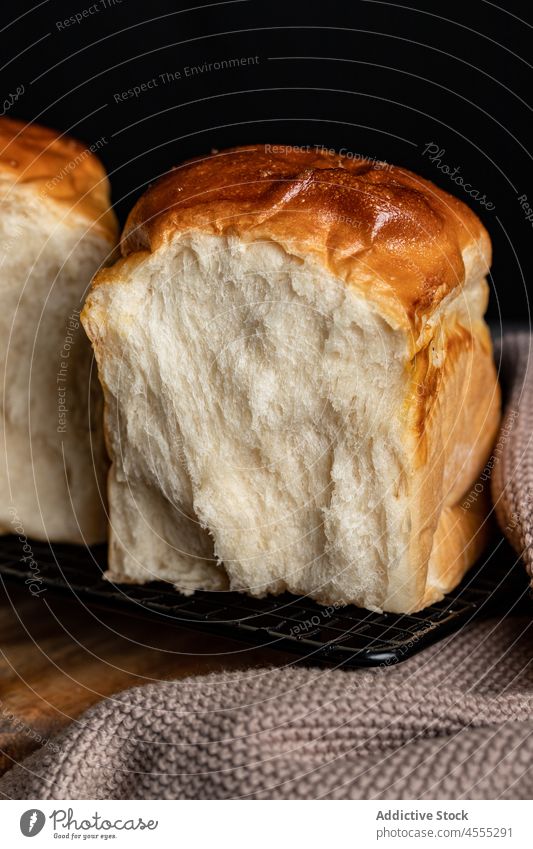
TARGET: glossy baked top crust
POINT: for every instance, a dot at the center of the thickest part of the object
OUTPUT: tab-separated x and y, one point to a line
58	167
393	235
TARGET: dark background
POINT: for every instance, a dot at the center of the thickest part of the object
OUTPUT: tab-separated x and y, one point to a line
377	78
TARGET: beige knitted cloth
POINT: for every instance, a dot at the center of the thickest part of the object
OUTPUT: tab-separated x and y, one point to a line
454	722
512	478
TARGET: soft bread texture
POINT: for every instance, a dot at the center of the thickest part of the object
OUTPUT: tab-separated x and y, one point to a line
298	380
56	229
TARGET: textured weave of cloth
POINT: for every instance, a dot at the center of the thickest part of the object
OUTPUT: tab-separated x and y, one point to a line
453	722
456	721
512	478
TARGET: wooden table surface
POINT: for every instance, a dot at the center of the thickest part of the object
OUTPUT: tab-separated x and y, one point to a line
58	657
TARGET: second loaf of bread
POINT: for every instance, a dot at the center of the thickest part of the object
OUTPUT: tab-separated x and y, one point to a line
56	230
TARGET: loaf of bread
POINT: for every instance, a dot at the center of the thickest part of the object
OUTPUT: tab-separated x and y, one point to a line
56	229
299	386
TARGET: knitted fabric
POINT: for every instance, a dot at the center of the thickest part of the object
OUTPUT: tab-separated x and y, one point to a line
512	478
453	722
456	721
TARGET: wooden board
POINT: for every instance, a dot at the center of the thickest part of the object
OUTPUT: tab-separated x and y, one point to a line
58	657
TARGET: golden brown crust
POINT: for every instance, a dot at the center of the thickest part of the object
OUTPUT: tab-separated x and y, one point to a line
383	229
60	167
455	415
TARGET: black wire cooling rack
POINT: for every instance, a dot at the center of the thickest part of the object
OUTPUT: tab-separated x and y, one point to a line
348	636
